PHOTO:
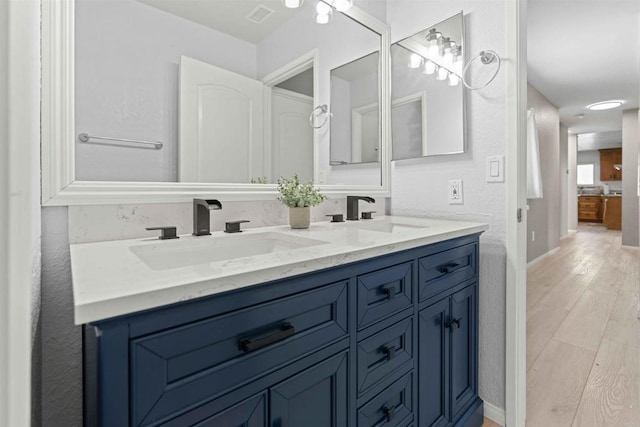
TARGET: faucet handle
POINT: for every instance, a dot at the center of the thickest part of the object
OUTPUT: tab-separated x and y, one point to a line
166	233
336	217
234	226
367	215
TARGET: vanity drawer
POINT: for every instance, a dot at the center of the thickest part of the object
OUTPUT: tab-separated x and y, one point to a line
384	292
383	353
393	407
441	271
185	366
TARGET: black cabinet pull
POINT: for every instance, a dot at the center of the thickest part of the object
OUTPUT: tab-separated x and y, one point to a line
252	344
389	412
453	323
389	291
447	268
389	351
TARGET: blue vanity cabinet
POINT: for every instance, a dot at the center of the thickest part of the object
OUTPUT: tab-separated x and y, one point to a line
388	341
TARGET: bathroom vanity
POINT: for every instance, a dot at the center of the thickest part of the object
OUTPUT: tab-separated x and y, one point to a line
363	323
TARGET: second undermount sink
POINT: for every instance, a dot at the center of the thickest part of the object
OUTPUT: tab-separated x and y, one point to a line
189	251
389	227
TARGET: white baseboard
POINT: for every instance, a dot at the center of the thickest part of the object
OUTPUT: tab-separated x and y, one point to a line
634	248
543	256
494	413
572	231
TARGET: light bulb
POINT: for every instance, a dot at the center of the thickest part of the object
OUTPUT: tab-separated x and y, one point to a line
415	60
442	74
434	50
292	4
342	5
323	14
429	67
453	80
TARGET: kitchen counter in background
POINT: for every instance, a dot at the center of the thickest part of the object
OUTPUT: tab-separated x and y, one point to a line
601	208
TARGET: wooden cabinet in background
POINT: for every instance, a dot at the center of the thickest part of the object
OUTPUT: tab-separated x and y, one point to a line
612	212
590	208
608	159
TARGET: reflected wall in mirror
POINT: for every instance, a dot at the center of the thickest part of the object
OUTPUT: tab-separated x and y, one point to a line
428	97
227	86
355	126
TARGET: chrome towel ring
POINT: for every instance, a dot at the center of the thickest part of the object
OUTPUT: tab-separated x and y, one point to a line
486	57
322	109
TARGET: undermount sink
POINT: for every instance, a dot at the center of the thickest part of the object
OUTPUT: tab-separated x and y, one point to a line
186	252
389	227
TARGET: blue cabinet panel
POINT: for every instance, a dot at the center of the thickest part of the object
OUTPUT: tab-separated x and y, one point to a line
463	349
251	412
384	292
184	366
316	397
383	353
393	407
433	365
441	271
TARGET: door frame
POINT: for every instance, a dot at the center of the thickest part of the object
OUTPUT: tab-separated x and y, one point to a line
516	215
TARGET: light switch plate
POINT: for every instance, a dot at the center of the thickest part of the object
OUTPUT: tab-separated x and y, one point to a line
495	169
322	176
454	192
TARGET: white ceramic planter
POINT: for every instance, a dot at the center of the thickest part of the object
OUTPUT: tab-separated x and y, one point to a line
300	217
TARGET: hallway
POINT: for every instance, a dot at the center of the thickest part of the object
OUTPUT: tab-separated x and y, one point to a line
583	335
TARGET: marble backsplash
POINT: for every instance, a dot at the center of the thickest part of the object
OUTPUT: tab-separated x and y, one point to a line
115	222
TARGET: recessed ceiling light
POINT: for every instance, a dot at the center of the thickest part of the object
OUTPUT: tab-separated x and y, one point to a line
580	116
605	105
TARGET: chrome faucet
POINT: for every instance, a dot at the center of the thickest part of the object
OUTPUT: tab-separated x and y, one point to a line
201	218
352	206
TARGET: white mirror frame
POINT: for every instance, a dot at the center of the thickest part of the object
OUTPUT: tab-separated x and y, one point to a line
59	186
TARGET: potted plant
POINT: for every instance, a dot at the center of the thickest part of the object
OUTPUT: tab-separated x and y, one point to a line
299	198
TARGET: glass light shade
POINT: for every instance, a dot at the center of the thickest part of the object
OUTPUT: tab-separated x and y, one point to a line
443	73
323	14
415	60
342	5
447	58
606	105
453	80
430	67
458	61
292	4
434	50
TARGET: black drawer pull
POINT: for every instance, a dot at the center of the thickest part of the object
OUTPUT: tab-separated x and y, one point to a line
251	344
389	291
452	323
447	268
389	412
389	351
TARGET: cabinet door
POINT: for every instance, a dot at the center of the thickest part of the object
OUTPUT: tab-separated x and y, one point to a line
251	412
316	397
606	166
433	365
463	348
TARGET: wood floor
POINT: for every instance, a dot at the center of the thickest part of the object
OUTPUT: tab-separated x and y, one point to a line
583	334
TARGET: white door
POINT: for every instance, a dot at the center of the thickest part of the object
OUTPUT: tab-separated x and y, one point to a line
292	139
221	124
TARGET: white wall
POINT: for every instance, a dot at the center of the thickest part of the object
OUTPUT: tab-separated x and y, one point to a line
564	181
543	217
127	86
419	186
593	157
572	187
630	212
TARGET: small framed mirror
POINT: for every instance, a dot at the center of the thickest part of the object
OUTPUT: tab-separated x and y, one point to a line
428	95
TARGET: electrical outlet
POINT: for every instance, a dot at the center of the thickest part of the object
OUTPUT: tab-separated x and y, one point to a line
533	236
455	192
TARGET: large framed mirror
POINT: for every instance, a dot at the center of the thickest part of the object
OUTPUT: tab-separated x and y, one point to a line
165	100
428	110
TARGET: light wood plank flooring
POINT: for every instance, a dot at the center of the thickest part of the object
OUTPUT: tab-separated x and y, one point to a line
583	334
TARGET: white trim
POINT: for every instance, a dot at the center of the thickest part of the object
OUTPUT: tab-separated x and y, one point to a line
542	257
572	231
632	248
59	187
494	413
516	243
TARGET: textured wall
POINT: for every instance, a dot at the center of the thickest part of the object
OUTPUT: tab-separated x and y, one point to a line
419	186
572	186
564	180
630	143
543	217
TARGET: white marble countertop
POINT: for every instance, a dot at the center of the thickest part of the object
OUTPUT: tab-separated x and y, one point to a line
110	279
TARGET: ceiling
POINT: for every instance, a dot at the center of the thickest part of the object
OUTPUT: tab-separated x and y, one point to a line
583	52
229	16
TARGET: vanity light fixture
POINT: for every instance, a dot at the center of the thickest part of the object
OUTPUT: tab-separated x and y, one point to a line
341	5
430	67
443	73
454	80
292	4
415	60
432	41
458	60
605	105
323	14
